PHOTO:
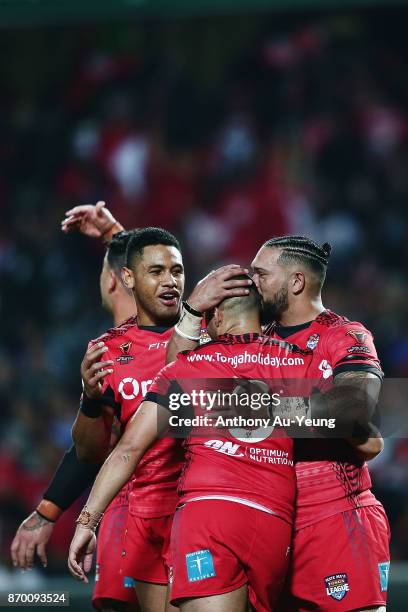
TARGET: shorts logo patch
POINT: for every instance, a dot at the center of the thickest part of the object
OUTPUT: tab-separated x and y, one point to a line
200	565
337	586
384	570
128	582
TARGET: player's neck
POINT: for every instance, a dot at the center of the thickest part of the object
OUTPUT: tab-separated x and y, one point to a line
123	310
297	314
246	325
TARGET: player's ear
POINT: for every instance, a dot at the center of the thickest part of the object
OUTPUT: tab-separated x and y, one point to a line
113	281
128	278
218	317
297	282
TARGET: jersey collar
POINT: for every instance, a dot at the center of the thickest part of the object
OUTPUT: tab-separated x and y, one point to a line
238	338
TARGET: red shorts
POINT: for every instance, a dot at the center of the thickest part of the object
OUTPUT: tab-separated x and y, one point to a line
109	582
218	546
340	563
146	549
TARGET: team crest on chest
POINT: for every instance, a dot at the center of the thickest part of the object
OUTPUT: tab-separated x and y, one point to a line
313	341
125	349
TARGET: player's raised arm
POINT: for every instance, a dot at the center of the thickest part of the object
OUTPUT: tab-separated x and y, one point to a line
142	430
70	480
209	292
95	221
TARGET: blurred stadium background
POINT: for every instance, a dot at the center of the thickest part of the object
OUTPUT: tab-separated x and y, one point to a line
224	126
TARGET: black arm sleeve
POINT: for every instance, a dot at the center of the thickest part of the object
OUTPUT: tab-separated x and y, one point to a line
72	477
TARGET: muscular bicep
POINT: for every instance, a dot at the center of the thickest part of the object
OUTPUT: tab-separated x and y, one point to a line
360	386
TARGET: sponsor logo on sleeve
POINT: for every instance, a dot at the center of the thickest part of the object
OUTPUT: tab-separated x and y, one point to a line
125	357
200	565
337	586
326	369
313	341
384	570
359	348
358	335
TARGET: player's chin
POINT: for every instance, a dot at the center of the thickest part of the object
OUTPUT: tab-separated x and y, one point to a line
168	311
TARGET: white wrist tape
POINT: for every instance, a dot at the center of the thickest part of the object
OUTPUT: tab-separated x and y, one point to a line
189	326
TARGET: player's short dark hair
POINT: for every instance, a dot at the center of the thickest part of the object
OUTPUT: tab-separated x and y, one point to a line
116	250
148	236
248	302
304	250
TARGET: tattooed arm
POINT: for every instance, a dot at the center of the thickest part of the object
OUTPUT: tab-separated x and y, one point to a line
352	402
32	536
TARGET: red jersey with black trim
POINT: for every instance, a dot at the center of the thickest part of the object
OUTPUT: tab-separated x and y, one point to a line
329	477
225	463
138	354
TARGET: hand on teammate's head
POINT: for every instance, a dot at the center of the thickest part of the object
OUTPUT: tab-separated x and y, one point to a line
218	285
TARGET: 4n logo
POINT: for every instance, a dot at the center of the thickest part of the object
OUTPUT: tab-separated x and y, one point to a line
227	448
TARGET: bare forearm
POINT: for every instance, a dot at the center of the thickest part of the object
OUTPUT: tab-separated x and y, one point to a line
116	228
351	402
91	437
114	474
370	445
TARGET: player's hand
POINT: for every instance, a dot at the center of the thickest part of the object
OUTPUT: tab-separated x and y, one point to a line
91	220
217	286
32	537
81	553
94	370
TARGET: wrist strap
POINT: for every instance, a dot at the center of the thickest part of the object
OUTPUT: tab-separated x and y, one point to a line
90	407
183	335
189	325
48	510
192	311
108	234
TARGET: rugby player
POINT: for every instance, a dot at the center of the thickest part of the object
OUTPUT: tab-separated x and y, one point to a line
341	552
231	534
73	476
123	363
341	544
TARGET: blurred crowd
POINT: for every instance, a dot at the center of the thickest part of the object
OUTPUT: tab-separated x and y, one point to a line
226	131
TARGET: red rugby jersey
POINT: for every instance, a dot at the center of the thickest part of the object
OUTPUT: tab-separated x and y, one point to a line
138	353
329	477
224	462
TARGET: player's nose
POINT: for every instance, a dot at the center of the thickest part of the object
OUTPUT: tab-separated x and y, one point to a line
169	280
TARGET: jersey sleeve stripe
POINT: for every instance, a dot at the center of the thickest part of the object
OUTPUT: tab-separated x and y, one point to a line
358	367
